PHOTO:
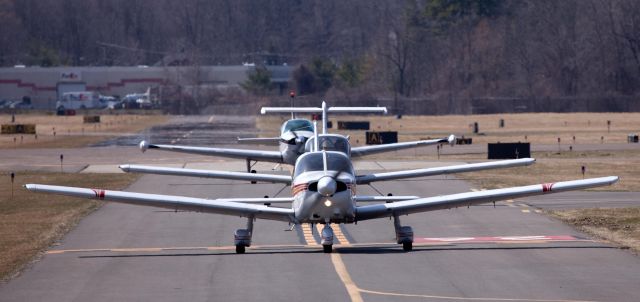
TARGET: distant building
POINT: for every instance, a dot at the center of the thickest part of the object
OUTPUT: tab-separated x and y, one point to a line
45	85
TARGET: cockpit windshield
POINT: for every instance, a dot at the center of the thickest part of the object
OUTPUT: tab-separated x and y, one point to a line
314	162
297	125
330	143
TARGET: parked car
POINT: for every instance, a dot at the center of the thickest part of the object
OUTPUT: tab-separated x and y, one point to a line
21	105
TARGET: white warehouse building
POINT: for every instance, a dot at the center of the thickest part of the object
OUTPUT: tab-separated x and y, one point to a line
45	85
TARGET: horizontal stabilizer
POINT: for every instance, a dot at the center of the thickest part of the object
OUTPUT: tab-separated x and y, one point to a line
266	110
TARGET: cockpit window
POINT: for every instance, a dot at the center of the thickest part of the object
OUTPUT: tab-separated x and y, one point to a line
297	125
330	143
313	162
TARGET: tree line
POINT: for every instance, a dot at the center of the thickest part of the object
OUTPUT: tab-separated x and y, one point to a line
442	50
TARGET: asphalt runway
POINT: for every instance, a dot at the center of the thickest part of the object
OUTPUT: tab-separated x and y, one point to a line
483	253
510	252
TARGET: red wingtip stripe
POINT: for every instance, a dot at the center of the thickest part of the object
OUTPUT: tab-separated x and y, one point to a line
99	193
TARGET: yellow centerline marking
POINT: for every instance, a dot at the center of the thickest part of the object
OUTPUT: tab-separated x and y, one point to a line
337	233
526	211
341	269
341	237
308	235
319	229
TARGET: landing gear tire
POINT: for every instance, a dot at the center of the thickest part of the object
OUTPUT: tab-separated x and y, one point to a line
327	248
253	182
240	249
407	246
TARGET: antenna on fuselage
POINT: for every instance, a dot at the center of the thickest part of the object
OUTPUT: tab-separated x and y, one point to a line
324	117
316	144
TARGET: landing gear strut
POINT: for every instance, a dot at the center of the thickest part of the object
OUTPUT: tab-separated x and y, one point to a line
404	234
327	238
242	237
249	170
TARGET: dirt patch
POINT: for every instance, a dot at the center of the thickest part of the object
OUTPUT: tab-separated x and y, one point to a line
539	128
620	226
31	222
552	167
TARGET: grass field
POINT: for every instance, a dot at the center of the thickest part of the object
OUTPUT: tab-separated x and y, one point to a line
71	132
30	222
552	167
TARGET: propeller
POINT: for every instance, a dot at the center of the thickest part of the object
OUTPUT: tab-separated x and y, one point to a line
143	146
451	140
327	185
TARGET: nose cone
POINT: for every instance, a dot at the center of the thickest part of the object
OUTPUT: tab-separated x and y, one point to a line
327	186
143	146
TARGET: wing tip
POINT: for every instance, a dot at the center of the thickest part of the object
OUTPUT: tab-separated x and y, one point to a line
125	168
613	179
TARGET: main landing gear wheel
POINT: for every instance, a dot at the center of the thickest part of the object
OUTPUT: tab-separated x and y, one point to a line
407	246
240	249
327	248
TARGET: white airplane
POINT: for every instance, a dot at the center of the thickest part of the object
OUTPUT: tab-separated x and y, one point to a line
294	135
324	191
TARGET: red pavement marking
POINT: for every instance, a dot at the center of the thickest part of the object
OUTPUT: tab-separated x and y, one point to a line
494	239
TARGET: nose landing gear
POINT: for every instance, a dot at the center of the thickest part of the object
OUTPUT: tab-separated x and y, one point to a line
327	238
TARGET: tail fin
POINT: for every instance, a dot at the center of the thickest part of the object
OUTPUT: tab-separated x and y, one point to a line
316	144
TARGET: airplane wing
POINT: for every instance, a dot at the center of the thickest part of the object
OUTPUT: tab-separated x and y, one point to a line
471	198
257	155
285	179
369	178
288	200
365	198
270	141
357	198
233	207
367	150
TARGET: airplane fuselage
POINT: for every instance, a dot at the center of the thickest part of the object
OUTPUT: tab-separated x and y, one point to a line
293	148
324	194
